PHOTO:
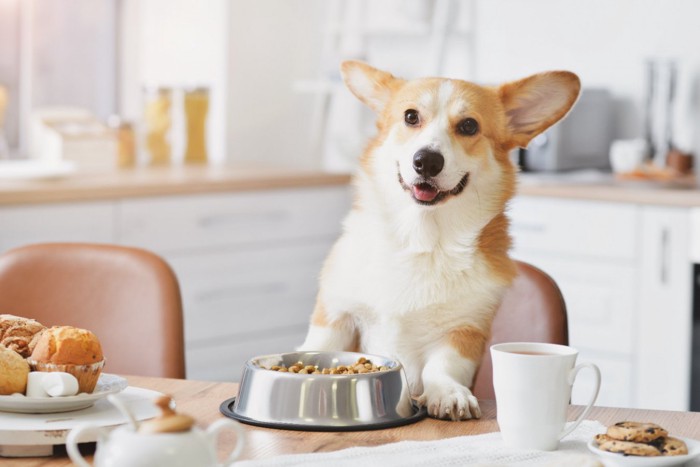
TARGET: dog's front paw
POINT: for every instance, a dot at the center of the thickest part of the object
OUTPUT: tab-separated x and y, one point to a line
452	401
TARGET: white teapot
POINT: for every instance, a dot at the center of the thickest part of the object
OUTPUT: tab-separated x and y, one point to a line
169	440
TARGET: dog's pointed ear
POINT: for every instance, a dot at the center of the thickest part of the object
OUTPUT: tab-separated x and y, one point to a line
370	85
535	103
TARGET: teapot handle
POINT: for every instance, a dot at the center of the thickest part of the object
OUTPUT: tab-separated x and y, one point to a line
72	443
214	430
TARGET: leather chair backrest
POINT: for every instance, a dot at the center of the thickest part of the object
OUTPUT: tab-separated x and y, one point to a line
533	310
128	297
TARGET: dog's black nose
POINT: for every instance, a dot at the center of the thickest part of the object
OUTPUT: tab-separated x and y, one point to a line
428	163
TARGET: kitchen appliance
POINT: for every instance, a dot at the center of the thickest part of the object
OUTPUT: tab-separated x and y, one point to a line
695	287
695	365
580	141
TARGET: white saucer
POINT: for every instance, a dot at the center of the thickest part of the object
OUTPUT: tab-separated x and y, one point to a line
30	169
18	403
639	461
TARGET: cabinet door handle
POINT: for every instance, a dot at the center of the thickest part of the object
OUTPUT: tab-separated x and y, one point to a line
242	219
528	227
663	270
233	292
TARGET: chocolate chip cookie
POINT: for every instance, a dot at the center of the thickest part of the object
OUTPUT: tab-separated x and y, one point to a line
670	446
636	432
627	448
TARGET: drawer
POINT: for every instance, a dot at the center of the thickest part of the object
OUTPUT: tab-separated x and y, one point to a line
574	227
600	300
179	223
616	387
224	361
79	222
235	293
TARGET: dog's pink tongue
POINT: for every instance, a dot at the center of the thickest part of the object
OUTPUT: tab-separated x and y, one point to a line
424	192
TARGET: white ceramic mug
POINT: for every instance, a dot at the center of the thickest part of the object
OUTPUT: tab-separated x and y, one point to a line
533	382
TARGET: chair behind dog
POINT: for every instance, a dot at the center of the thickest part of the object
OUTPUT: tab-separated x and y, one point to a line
128	297
533	310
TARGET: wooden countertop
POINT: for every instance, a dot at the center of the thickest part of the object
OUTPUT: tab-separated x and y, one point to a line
139	182
682	192
143	182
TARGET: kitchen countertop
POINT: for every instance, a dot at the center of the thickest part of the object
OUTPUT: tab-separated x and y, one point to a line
605	186
142	182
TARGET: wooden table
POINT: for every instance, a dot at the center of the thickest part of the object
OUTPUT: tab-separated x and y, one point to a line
202	400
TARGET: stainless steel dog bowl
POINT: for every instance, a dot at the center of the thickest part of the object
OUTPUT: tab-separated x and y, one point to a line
318	402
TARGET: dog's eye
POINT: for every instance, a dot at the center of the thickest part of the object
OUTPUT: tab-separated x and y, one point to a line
411	117
468	127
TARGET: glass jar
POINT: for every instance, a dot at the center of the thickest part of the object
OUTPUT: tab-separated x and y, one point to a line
126	142
196	109
4	147
158	122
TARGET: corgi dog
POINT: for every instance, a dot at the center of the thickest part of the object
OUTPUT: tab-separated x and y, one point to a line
422	264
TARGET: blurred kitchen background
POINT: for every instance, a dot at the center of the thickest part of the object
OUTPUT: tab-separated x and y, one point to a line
158	123
270	67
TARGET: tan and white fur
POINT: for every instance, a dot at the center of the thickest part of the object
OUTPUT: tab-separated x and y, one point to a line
423	263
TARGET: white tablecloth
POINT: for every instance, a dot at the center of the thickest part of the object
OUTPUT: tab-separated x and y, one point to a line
479	450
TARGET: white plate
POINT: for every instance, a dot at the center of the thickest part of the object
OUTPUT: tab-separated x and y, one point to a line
639	461
107	384
34	170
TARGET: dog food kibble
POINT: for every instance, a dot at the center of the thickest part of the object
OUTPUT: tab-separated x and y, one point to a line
361	366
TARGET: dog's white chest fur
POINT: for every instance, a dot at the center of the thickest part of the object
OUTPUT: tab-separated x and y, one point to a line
405	293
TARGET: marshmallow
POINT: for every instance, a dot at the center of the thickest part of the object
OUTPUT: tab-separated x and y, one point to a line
51	384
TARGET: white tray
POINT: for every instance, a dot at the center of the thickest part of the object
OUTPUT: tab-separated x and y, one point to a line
35	434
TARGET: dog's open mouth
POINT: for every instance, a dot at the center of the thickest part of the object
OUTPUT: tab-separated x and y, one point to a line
426	192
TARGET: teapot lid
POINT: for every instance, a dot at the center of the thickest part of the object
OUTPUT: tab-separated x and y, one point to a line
168	421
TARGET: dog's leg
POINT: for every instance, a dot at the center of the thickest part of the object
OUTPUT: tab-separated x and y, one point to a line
449	373
324	334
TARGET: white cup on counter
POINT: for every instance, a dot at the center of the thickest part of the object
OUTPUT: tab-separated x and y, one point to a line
627	155
533	382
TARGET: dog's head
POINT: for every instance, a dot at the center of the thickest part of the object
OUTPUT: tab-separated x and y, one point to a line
442	139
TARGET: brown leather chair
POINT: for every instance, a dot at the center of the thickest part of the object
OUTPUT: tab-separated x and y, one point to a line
128	297
533	310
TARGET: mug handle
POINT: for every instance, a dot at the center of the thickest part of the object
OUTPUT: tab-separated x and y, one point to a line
72	443
214	430
572	377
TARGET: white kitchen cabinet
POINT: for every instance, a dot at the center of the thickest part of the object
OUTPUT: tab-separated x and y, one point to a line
236	301
74	222
664	322
574	228
193	223
625	273
248	265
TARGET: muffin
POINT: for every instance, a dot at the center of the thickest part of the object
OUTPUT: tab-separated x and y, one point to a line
14	371
19	334
71	350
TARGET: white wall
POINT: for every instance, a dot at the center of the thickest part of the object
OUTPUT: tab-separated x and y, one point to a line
605	42
273	43
177	43
257	50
